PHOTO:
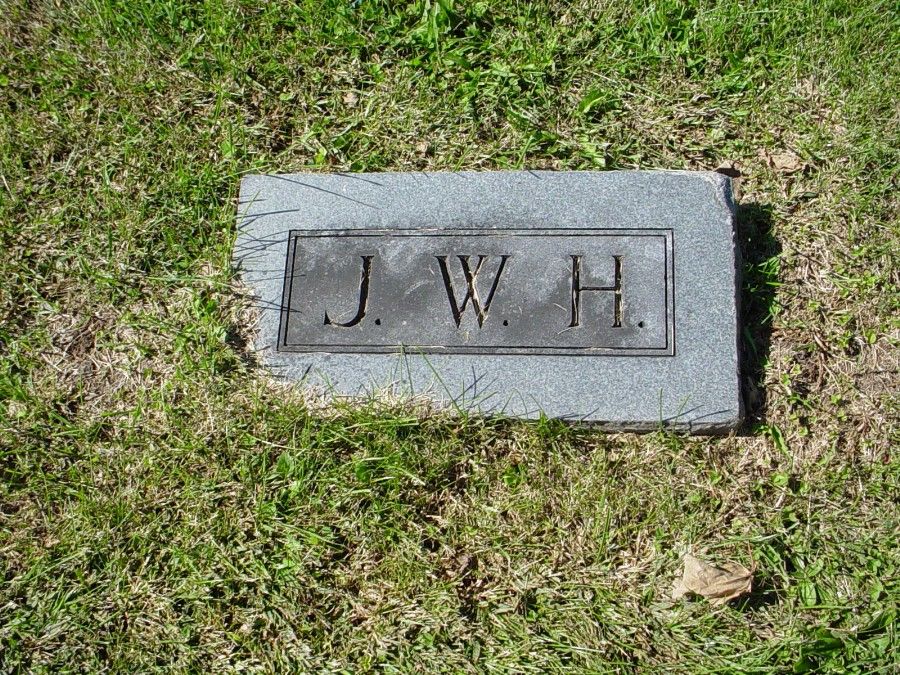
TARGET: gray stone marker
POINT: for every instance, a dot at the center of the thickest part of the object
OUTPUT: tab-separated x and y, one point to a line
609	297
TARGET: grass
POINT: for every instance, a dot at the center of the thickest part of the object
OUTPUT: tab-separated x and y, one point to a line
164	506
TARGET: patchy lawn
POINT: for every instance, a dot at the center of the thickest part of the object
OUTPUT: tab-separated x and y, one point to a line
164	505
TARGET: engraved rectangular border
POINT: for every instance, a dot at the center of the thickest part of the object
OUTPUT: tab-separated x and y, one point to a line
668	269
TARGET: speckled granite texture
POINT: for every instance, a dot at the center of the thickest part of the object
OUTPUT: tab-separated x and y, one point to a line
678	290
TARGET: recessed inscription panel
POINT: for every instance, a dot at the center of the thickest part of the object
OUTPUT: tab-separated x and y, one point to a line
479	292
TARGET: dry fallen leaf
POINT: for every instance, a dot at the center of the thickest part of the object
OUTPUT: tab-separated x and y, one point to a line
785	162
716	584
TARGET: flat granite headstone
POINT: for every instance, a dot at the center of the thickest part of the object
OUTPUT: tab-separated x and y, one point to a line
601	296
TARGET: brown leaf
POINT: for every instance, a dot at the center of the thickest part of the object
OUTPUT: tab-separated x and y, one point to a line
785	162
716	584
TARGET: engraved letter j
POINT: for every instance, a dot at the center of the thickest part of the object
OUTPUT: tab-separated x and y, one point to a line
363	296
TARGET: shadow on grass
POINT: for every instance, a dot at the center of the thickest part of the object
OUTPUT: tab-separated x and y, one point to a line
764	594
760	252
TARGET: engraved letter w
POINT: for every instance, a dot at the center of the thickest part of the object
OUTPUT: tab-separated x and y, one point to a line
481	311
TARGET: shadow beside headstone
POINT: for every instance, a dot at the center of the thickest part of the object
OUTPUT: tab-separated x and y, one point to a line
760	252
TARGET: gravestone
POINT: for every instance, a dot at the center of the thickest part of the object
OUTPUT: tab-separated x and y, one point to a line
608	297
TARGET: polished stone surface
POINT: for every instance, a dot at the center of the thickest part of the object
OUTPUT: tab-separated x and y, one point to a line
608	297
